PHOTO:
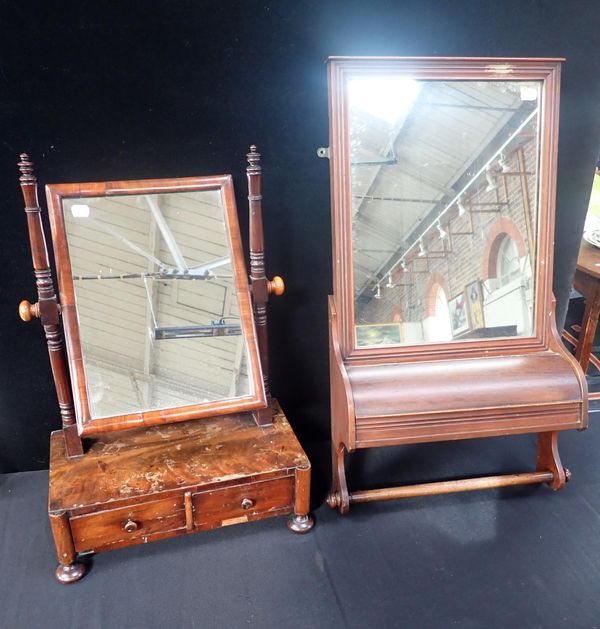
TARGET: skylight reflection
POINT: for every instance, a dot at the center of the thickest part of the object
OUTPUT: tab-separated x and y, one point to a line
389	98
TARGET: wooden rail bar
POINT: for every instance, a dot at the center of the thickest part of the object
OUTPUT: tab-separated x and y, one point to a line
452	486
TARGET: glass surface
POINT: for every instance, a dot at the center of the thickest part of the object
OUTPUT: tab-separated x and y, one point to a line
444	178
156	301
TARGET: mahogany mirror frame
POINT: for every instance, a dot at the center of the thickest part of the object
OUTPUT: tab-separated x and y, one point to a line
88	426
340	69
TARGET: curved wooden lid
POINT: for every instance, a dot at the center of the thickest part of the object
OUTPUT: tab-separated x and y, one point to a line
401	389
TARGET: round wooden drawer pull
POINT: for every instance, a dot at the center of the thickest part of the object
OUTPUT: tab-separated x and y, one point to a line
247	503
130	526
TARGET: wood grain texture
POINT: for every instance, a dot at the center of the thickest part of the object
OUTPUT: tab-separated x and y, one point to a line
121	467
549	380
472	398
143	485
69	570
98	531
243	503
302	497
63	540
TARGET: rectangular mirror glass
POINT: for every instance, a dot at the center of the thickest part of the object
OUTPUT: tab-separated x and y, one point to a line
153	286
444	186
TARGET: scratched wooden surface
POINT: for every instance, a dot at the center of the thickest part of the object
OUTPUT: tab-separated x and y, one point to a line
127	465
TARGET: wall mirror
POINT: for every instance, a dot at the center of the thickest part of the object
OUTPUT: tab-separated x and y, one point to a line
437	178
155	301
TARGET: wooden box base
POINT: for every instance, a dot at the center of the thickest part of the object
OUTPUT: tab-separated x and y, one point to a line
148	484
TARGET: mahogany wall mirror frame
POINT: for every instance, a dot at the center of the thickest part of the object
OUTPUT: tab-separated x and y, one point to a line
442	319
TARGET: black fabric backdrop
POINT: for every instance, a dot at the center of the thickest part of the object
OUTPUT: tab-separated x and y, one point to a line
119	90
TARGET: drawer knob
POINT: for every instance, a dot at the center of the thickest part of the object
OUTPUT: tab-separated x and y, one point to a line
130	526
247	503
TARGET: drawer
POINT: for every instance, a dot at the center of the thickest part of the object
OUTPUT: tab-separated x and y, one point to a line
243	503
135	522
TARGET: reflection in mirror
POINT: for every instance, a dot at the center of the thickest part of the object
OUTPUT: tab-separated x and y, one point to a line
156	300
444	178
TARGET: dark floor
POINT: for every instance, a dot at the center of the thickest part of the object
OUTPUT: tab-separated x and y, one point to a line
521	557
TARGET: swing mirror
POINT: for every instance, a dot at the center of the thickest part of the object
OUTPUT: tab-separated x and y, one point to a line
440	224
155	301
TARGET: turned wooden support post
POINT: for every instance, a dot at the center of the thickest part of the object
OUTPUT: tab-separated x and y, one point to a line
300	521
261	286
69	569
47	309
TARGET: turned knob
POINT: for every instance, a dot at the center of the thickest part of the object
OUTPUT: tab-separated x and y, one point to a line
130	526
247	503
333	499
27	311
276	286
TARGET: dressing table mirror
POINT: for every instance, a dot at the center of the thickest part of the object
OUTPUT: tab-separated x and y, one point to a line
168	422
155	302
442	319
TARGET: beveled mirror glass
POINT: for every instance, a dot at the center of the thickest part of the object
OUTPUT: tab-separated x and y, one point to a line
155	301
444	202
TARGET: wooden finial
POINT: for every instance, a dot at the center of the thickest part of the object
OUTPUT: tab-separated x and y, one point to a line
253	160
26	168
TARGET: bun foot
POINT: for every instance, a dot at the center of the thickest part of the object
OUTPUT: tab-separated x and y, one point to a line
300	523
71	573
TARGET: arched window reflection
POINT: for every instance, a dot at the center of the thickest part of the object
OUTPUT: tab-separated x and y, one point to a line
508	266
438	327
